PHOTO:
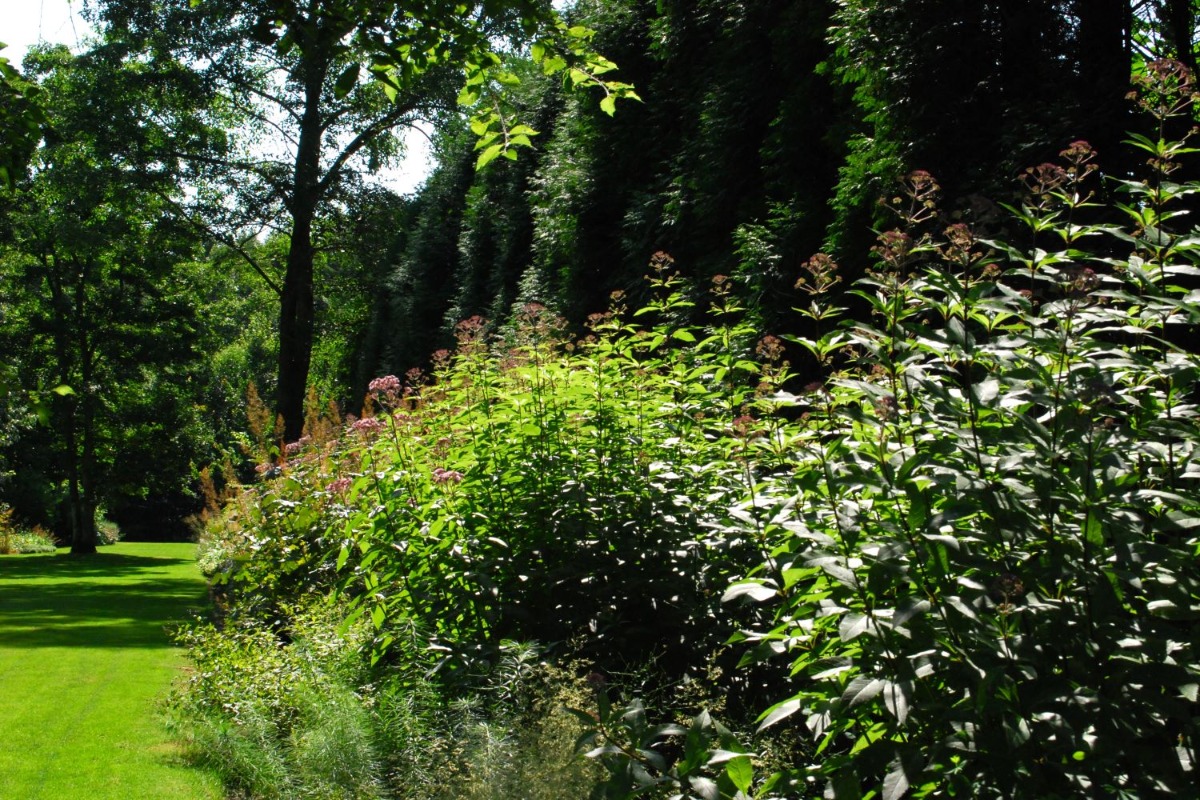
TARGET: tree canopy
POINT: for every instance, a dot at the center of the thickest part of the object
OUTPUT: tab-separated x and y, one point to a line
315	88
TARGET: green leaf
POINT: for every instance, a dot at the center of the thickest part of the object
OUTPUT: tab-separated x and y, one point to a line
754	590
609	105
488	155
895	783
986	391
63	390
346	82
896	697
862	689
741	773
853	626
705	788
778	712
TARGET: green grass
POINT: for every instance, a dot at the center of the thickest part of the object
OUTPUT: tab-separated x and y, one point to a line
84	658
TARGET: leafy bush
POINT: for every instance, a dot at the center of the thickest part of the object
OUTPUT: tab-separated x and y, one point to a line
964	561
280	721
107	531
15	540
300	712
981	542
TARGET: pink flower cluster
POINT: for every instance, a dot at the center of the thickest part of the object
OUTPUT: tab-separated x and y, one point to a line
387	385
442	475
340	486
367	425
292	448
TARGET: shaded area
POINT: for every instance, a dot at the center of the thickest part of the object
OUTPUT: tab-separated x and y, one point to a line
107	600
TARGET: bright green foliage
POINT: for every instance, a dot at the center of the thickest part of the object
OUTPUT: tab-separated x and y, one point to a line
984	571
20	120
530	461
281	722
15	540
312	718
310	94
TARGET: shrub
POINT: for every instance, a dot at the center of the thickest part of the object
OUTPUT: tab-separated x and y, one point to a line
275	720
306	715
963	562
107	531
14	540
984	566
980	542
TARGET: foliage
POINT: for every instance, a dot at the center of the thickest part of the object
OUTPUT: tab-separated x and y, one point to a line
279	722
15	540
531	477
311	718
21	118
93	303
713	149
994	486
983	568
1021	77
315	91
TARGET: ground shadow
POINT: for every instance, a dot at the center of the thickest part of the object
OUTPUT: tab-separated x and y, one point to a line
64	602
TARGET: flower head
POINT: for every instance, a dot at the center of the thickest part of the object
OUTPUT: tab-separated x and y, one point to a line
442	475
386	385
367	426
770	348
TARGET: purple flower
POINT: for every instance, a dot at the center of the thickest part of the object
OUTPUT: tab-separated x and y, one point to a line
340	486
386	385
442	476
367	426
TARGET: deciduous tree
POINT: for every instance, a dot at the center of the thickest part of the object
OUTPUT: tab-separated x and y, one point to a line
88	271
317	88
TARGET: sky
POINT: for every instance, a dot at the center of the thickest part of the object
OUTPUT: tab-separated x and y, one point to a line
24	23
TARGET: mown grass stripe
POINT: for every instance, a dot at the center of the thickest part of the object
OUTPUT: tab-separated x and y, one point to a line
85	657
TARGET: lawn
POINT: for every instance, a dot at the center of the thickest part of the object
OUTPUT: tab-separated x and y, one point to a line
84	659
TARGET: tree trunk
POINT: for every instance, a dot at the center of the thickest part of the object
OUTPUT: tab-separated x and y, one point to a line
1179	29
296	325
1104	67
82	525
83	495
